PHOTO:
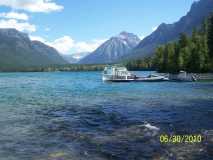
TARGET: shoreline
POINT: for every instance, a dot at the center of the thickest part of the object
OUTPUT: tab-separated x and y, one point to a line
199	76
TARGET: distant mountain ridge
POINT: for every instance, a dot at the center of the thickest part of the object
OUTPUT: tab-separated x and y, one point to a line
111	50
17	50
170	32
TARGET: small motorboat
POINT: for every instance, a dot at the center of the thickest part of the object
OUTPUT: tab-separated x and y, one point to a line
151	78
183	76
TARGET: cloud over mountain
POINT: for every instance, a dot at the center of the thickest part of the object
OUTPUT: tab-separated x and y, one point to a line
20	26
88	46
65	44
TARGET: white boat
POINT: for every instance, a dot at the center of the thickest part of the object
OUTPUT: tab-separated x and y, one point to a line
117	74
151	78
183	76
121	74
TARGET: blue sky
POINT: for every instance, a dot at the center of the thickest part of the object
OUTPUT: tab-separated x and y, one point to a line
81	25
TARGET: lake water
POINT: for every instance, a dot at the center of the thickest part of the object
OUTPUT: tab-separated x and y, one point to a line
75	116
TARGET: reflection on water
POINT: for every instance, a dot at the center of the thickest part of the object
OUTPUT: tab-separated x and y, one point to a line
75	116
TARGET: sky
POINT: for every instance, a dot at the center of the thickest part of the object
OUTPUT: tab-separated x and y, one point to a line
73	26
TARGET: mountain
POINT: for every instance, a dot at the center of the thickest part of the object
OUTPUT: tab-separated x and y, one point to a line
170	32
49	52
17	51
112	49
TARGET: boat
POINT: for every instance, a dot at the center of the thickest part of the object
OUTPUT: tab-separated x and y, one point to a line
117	74
121	74
152	78
182	76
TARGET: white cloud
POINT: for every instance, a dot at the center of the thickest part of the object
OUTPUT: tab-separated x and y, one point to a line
66	44
80	55
88	46
20	26
14	15
63	44
32	5
154	28
37	38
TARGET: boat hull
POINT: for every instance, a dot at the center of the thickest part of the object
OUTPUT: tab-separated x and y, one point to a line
137	79
120	80
116	79
150	80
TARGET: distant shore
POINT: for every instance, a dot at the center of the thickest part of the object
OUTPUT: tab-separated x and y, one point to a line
68	68
56	68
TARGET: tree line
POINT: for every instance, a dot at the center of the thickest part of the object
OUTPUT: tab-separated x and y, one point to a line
55	68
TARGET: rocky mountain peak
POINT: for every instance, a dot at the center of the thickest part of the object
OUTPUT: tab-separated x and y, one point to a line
126	36
11	32
114	48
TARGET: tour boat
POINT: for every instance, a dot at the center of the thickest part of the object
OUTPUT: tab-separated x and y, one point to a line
121	74
117	74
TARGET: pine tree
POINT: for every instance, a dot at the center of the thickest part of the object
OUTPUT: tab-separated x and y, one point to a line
171	57
210	36
177	60
205	51
158	59
183	40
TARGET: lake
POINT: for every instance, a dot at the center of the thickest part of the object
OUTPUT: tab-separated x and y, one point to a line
76	116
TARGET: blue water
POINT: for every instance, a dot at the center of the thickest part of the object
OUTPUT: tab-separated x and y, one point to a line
76	116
